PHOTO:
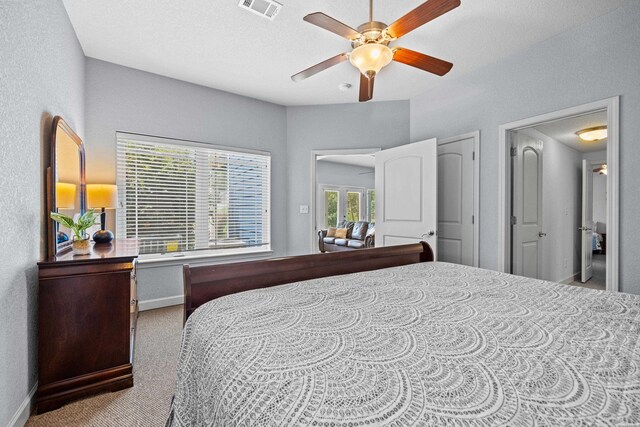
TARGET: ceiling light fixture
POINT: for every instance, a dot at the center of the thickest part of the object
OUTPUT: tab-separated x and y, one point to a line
602	170
594	134
369	58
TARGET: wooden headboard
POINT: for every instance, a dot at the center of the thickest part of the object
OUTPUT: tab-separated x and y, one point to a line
206	283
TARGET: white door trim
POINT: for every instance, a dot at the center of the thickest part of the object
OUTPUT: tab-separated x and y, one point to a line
312	169
476	188
612	106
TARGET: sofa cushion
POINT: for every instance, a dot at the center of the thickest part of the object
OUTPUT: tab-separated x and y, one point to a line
359	230
341	242
371	230
341	233
348	225
329	239
331	232
356	244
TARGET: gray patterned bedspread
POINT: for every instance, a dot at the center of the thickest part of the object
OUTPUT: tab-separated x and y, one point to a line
424	344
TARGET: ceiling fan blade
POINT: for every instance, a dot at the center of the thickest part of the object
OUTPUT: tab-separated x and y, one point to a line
422	61
320	67
419	16
366	87
333	25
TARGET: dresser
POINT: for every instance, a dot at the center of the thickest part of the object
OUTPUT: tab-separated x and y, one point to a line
87	309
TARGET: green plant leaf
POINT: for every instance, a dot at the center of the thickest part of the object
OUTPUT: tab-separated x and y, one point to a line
63	219
87	220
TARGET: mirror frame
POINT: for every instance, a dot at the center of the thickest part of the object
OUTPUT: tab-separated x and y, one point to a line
58	122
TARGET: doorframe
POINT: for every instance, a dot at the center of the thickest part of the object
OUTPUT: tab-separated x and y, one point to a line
612	107
313	192
476	188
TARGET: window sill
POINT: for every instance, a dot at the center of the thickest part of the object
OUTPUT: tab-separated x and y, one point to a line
151	261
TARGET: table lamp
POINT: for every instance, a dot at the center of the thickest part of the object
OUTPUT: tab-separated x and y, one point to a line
102	196
65	195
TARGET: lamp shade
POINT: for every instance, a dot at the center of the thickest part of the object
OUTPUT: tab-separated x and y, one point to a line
102	196
371	57
65	195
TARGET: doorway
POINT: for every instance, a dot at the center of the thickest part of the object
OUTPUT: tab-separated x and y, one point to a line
342	188
402	205
559	207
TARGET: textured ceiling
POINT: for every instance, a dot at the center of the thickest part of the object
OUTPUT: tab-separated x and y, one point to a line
564	131
217	44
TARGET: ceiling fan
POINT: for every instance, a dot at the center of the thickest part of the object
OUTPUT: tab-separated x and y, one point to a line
602	169
370	44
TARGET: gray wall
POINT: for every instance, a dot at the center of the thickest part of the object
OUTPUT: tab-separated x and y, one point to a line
41	75
550	76
345	126
123	99
344	175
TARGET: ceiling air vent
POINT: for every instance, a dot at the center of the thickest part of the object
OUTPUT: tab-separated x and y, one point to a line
265	8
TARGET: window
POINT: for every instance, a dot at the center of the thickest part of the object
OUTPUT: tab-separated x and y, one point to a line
371	206
331	208
180	196
353	206
340	204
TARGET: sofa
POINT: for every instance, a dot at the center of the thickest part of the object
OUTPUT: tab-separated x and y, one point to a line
359	235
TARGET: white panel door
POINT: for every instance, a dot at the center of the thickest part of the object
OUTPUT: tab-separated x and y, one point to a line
587	222
455	201
527	207
407	194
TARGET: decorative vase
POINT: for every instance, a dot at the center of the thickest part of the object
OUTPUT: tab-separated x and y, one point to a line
81	246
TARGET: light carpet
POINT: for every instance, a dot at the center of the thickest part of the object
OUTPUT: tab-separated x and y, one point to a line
599	279
154	375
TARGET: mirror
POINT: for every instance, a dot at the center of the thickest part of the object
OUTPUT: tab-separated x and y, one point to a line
65	183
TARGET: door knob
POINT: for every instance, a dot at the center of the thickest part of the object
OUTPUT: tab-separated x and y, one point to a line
541	234
429	234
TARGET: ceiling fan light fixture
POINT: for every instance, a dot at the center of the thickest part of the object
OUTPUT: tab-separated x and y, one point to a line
594	134
370	58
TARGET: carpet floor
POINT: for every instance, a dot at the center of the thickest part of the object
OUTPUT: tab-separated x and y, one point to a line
154	374
599	279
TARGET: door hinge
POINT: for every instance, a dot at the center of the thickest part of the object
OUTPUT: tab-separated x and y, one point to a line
514	220
514	151
473	219
473	155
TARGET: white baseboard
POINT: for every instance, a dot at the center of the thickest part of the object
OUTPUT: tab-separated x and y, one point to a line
24	411
573	278
152	304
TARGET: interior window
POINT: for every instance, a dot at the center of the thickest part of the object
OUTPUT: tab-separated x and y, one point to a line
371	206
331	208
353	206
179	196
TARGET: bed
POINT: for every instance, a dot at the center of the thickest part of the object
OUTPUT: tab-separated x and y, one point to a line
419	343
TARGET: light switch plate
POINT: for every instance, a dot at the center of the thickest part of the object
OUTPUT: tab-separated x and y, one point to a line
304	209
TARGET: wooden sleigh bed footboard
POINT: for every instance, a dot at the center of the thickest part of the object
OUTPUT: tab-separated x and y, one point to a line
206	283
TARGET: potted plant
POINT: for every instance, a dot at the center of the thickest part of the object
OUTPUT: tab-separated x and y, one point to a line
80	242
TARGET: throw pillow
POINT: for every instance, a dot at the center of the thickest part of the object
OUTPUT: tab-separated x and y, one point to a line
331	232
341	233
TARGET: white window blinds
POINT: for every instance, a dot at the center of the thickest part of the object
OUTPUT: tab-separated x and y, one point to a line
178	196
